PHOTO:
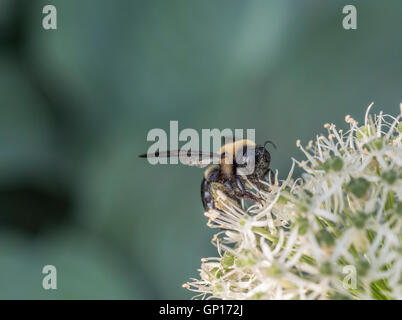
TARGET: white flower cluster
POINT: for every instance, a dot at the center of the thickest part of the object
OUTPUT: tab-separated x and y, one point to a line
335	233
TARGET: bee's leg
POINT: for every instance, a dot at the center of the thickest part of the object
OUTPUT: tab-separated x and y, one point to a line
262	186
258	184
217	189
241	192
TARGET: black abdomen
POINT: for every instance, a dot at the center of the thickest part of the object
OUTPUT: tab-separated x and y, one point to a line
206	195
212	174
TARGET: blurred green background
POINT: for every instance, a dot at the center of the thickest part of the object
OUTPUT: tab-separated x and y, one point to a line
76	105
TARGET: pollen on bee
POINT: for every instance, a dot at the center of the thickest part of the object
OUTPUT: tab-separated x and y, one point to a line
221	195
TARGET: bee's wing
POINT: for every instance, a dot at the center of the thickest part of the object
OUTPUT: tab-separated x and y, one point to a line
187	157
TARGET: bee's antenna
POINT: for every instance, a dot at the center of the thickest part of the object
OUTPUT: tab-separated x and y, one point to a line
269	142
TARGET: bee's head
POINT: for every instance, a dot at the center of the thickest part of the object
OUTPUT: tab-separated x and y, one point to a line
256	160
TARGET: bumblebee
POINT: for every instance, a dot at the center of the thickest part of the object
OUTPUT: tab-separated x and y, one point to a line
226	181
